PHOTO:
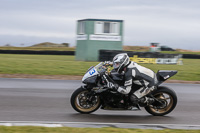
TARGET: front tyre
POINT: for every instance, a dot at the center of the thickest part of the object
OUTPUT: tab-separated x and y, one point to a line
165	103
83	102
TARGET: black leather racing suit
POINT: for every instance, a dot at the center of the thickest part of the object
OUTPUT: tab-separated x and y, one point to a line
139	75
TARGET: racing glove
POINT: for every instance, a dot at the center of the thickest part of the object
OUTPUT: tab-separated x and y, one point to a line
108	63
112	86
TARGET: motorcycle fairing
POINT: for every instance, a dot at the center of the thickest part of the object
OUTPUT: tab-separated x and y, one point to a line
90	76
163	75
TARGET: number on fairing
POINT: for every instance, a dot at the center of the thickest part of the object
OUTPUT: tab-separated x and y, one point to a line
92	71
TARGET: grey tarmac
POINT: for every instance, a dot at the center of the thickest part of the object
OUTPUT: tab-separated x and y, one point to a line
34	100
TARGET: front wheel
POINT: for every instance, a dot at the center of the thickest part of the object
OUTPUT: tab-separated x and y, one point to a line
83	102
166	101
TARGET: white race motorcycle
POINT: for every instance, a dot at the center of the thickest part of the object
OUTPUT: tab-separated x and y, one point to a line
95	94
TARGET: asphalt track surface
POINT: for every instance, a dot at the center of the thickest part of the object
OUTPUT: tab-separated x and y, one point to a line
49	100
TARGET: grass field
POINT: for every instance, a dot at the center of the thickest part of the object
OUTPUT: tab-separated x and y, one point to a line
42	64
65	65
179	52
39	48
29	129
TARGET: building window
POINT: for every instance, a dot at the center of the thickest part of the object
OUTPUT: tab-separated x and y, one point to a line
81	27
106	27
111	28
99	27
115	28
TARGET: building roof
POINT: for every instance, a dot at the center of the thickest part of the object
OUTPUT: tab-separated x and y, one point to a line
110	20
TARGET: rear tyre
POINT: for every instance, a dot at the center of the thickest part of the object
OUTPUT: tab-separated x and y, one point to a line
82	102
167	102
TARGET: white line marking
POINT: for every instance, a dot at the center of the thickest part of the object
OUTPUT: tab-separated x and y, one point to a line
92	124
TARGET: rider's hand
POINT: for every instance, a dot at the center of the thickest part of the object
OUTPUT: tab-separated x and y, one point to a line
108	63
112	86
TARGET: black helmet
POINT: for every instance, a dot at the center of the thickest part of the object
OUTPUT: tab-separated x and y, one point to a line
120	61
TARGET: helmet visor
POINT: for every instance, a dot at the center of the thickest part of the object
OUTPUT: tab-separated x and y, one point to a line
116	65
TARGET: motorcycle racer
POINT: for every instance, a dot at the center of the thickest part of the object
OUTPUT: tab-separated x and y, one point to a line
117	89
133	73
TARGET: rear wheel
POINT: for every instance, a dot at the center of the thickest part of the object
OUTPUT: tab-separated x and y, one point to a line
83	102
166	101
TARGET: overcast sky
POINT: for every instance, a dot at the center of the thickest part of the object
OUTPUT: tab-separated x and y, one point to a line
175	23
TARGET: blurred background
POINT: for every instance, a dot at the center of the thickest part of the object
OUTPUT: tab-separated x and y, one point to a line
34	33
173	23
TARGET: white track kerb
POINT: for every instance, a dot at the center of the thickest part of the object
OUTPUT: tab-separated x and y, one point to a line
99	125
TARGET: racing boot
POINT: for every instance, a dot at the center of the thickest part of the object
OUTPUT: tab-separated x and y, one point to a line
138	97
145	101
134	100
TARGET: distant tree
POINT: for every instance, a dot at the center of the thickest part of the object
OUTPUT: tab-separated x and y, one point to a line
7	45
65	44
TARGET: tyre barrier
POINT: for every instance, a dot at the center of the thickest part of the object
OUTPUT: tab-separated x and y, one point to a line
104	55
191	56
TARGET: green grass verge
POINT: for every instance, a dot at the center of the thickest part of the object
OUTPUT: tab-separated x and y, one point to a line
42	64
30	129
178	52
190	70
65	65
39	48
